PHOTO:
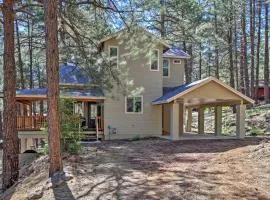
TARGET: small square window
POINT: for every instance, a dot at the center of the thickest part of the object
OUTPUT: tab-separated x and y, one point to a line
113	53
155	60
134	104
178	61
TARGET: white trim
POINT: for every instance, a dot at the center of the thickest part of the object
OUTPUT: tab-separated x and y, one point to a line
177	57
154	70
176	62
169	68
133	105
203	82
111	46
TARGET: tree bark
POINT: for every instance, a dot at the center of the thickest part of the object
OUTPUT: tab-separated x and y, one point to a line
246	88
52	66
230	45
236	55
266	55
216	43
252	46
20	63
10	137
200	61
258	50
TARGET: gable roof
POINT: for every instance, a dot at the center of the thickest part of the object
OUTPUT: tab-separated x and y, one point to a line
175	52
172	52
71	74
116	34
66	92
179	91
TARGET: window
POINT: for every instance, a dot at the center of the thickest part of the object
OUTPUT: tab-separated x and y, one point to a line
134	104
113	51
166	68
78	108
177	61
155	60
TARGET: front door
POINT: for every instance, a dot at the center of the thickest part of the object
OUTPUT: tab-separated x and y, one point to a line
92	114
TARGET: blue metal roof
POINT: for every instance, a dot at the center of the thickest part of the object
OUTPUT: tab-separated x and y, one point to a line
72	74
175	52
168	93
63	92
33	91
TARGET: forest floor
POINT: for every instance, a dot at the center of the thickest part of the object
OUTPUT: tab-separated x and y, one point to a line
155	169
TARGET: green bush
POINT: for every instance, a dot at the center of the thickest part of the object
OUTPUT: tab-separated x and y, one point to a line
69	126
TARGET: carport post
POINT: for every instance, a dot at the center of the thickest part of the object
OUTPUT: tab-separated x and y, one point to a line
174	121
189	119
201	120
240	120
182	112
218	120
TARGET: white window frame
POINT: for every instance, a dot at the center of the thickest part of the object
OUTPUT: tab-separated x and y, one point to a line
117	65
169	68
154	70
133	104
176	62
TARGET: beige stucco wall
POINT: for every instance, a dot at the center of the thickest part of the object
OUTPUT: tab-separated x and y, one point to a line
176	74
212	90
149	123
27	139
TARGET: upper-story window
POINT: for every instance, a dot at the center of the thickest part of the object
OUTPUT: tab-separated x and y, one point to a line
177	61
134	104
155	60
113	52
166	68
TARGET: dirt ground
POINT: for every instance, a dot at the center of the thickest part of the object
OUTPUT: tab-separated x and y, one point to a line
159	169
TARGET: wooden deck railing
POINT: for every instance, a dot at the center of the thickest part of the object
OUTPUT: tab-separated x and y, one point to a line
35	123
31	123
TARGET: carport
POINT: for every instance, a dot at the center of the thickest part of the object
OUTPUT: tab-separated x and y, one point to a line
209	92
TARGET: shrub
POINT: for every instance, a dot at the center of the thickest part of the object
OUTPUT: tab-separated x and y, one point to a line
69	126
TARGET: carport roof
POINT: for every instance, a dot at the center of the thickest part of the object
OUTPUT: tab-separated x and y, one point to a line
171	94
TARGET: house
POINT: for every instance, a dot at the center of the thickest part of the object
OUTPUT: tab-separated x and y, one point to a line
157	103
260	91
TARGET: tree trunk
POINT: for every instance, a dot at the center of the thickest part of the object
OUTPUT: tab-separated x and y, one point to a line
52	66
252	46
258	49
187	74
236	56
10	137
216	43
266	56
162	18
40	85
20	63
246	88
200	61
230	45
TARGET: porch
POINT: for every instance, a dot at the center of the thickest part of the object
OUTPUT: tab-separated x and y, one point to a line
87	108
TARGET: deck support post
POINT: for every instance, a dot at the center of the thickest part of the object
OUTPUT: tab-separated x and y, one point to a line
181	118
189	119
201	120
174	121
240	120
218	120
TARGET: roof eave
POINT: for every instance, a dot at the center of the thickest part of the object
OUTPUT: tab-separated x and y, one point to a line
179	57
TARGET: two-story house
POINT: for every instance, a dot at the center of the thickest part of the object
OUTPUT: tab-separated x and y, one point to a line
157	103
